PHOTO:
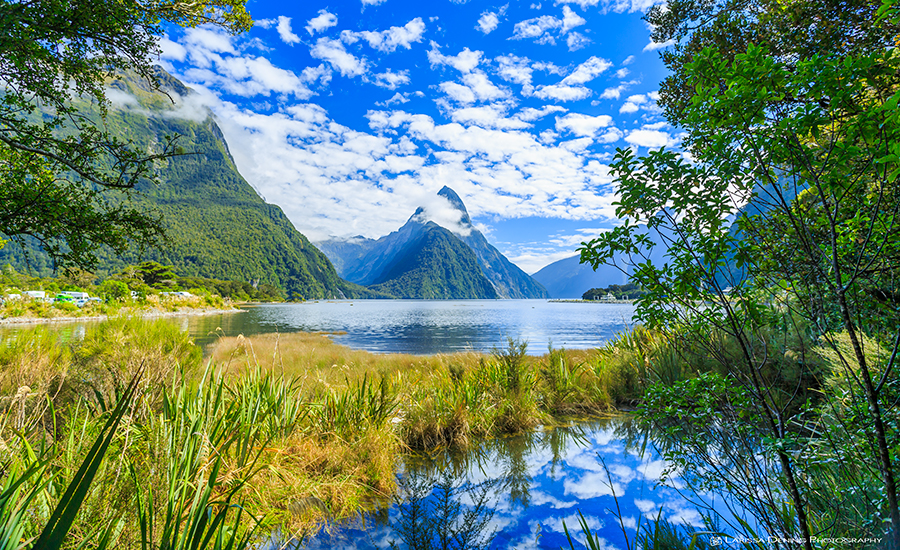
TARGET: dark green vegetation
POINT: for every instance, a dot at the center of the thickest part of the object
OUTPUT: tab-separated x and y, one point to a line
509	281
629	291
397	263
269	435
216	225
146	288
58	167
435	265
792	316
149	276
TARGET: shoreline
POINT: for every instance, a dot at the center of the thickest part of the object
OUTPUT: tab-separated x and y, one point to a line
575	301
149	314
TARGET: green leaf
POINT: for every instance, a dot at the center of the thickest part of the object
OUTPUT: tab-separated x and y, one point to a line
53	535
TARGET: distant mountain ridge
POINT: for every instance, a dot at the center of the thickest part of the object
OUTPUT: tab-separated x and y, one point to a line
412	255
569	279
217	225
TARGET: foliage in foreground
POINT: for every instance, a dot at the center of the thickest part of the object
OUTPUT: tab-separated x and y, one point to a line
780	246
279	432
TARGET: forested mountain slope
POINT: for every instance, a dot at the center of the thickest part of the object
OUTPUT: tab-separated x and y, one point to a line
216	224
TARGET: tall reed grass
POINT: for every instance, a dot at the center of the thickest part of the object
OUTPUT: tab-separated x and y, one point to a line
273	433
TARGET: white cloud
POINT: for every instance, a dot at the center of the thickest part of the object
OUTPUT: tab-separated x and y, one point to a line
388	41
216	63
571	87
640	101
372	2
482	87
654	470
563	93
577	41
171	50
587	71
250	76
532	261
515	69
120	98
622	73
630	6
650	138
487	117
582	125
533	28
657	45
646	506
368	182
612	135
458	92
539	498
585	4
592	485
321	22
337	56
628	60
488	22
264	23
571	19
396	99
548	67
465	61
537	27
285	32
392	80
203	41
530	114
616	92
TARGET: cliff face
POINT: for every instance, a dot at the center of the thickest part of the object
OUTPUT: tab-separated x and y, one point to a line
217	226
376	262
435	266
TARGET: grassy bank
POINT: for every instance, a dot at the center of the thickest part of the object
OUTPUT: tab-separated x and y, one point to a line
24	311
277	433
293	427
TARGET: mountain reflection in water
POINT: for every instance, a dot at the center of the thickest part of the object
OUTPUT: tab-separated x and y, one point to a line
517	492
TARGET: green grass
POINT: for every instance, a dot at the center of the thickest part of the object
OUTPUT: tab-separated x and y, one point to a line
272	423
277	431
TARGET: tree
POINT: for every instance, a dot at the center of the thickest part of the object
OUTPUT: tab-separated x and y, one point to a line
65	179
790	114
156	275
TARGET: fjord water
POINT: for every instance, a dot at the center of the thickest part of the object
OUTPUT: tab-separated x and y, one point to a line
428	326
528	486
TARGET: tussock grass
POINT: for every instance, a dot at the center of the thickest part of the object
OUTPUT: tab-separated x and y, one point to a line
320	363
294	427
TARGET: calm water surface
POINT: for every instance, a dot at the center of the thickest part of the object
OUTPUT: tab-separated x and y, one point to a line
426	327
528	486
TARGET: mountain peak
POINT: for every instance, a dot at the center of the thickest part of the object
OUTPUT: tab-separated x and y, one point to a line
454	199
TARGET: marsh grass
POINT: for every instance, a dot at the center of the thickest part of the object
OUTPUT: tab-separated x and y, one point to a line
273	433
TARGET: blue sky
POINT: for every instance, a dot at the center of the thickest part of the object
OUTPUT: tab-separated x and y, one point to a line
350	114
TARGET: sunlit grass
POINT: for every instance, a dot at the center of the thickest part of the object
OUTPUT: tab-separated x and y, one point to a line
294	427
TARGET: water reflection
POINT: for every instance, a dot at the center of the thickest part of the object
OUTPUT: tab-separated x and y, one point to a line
439	513
517	492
